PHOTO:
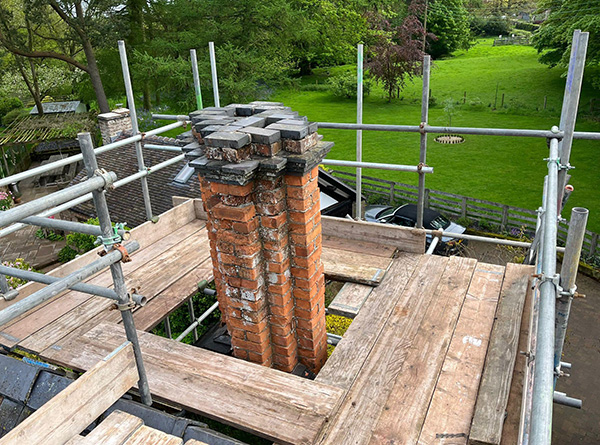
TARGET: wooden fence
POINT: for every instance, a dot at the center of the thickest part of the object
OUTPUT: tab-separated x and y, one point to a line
502	217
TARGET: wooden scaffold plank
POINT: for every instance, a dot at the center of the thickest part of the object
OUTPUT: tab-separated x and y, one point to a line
490	408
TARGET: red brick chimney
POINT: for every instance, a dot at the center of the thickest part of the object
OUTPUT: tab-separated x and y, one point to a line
257	165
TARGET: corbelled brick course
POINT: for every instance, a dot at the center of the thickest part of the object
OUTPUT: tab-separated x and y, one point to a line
260	190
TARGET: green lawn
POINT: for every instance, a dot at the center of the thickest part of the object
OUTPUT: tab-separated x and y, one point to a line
502	169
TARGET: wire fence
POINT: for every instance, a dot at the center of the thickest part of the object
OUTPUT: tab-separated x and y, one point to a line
501	217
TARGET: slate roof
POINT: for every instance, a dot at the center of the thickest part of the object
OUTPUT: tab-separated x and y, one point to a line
57	107
126	203
25	387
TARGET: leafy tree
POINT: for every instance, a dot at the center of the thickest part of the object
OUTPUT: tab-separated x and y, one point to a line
61	30
448	20
396	53
553	39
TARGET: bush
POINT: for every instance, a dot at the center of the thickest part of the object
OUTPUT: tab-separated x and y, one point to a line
9	104
13	115
5	200
526	26
489	26
345	85
79	243
19	263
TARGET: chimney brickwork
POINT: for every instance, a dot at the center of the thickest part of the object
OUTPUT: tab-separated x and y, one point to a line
258	169
113	124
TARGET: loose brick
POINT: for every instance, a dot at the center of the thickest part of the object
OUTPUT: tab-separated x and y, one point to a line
231	189
274	221
241	214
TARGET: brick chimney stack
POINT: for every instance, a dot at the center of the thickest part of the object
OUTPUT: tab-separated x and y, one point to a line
258	169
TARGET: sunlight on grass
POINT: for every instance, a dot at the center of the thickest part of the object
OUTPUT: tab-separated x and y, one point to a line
502	169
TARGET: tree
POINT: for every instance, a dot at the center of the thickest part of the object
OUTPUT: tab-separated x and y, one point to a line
395	53
81	22
449	21
553	39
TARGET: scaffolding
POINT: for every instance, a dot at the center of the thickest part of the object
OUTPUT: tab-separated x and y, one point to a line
553	297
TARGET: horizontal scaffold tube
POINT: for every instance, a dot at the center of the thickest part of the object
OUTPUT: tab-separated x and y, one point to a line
485	239
443	130
57	287
69	226
31	208
76	158
121	182
91	289
396	167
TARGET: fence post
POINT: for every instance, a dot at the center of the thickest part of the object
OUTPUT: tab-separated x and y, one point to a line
392	193
504	218
463	207
426	197
593	245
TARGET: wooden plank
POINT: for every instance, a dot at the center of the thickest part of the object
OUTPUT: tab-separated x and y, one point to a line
354	421
145	435
405	409
402	238
272	404
115	429
510	431
342	368
370	248
490	408
198	205
349	300
456	389
358	267
171	298
75	407
41	316
172	264
146	234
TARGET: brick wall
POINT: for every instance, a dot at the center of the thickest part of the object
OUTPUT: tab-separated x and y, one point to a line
113	124
258	168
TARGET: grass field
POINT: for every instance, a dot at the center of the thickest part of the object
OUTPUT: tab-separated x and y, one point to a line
502	169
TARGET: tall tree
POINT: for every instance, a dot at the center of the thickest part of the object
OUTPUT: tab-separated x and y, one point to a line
553	39
449	21
396	52
81	22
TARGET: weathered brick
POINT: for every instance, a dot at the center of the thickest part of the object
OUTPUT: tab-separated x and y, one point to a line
231	189
241	214
274	221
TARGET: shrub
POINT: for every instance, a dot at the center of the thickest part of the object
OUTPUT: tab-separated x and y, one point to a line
9	104
13	115
5	200
526	26
489	26
345	85
19	263
496	26
79	243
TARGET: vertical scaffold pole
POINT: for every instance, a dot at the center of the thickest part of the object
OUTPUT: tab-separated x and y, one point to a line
135	128
543	386
568	276
423	147
568	115
196	79
213	71
91	165
359	120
